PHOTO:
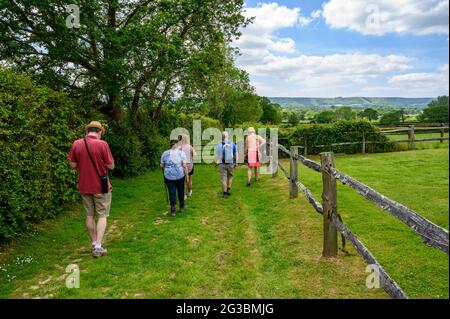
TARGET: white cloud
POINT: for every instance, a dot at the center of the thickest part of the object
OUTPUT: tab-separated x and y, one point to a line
316	14
268	19
304	21
277	69
434	83
388	16
354	64
323	75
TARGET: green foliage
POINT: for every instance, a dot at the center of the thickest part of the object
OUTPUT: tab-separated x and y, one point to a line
186	121
127	149
240	107
436	112
340	132
293	119
271	113
345	113
439	101
37	126
391	118
124	51
369	114
136	147
324	117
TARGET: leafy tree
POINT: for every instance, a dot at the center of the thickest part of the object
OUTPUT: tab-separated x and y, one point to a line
391	118
210	86
439	101
124	51
369	114
240	107
302	115
271	112
345	113
402	115
436	112
293	119
323	117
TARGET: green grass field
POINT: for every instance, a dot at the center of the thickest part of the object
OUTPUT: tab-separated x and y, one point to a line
256	244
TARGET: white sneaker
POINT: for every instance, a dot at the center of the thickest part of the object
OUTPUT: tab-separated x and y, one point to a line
99	252
190	193
185	196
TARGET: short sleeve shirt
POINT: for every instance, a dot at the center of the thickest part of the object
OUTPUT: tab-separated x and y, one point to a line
88	179
173	161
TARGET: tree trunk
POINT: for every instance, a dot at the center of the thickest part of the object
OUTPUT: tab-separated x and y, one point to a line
113	110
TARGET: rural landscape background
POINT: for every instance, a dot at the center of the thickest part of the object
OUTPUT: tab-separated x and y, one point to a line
371	87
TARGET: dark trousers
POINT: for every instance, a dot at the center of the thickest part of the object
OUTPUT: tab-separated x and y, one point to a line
174	187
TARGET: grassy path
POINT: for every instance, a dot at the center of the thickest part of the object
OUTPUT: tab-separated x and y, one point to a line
242	247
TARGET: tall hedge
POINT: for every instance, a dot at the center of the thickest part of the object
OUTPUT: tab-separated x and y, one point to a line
341	132
136	148
37	126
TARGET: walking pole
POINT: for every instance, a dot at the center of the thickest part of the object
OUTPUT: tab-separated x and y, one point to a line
165	186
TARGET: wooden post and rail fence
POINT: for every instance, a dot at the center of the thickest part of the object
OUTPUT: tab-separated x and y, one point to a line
431	234
411	132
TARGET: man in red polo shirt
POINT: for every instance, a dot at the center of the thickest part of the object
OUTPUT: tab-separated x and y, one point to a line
93	161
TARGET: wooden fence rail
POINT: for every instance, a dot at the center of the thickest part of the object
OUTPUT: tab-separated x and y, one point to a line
439	128
364	143
411	140
389	285
431	234
307	162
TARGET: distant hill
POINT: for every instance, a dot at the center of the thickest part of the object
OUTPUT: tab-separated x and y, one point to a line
362	102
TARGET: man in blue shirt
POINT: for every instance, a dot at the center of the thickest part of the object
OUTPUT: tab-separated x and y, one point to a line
173	161
225	156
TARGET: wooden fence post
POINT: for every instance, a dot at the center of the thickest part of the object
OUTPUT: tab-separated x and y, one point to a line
305	147
293	189
363	142
442	134
411	137
274	153
329	204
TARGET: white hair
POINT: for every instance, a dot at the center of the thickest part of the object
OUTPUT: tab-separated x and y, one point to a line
225	136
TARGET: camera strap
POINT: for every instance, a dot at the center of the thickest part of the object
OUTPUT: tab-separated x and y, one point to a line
92	160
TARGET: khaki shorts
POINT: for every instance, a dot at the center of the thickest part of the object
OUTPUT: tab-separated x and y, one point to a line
99	204
226	171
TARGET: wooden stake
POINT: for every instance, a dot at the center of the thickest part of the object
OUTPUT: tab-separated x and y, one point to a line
363	142
411	138
274	159
305	147
329	204
293	188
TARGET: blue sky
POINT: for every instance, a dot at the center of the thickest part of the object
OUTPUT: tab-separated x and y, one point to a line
346	48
